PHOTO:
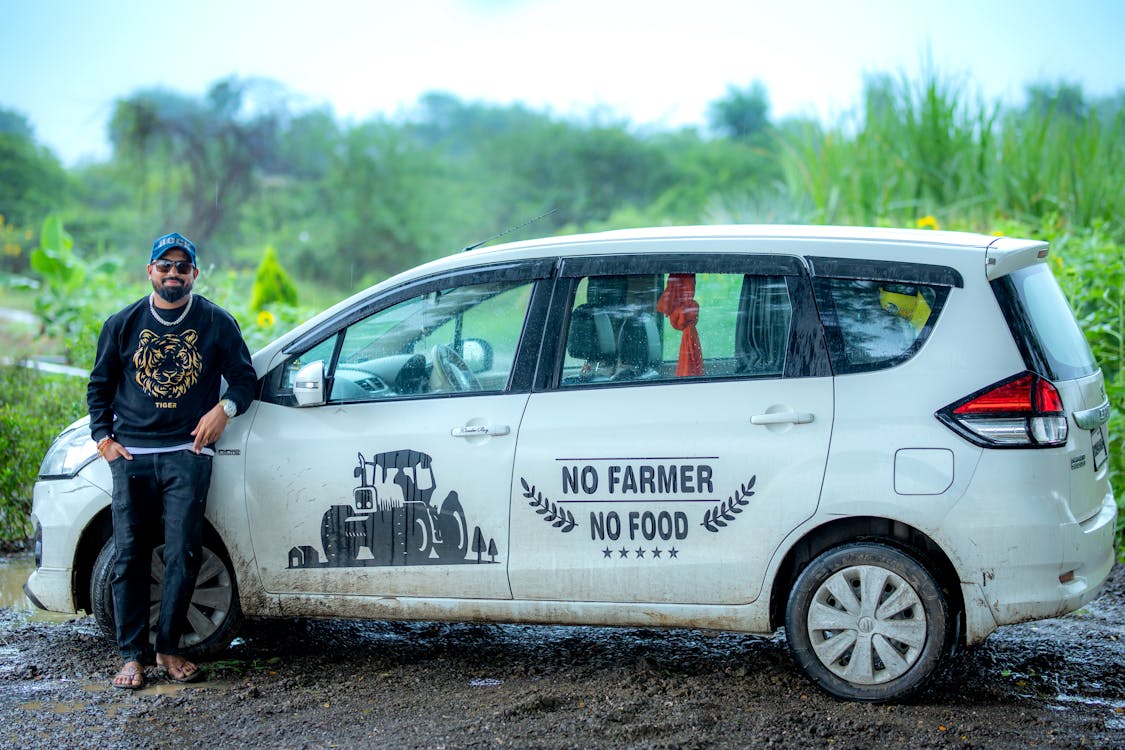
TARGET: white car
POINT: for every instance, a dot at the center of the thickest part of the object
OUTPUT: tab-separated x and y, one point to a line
889	442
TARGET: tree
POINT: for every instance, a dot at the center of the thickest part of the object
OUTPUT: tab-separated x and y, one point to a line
14	123
32	181
1063	99
205	152
742	114
389	199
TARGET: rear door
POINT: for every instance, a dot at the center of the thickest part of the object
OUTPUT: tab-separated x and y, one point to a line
678	433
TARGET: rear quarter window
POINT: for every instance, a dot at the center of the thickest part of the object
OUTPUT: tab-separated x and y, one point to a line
872	325
1042	324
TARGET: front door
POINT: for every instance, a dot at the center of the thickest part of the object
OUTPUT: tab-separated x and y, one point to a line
398	484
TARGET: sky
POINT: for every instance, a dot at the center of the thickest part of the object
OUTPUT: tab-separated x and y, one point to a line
654	63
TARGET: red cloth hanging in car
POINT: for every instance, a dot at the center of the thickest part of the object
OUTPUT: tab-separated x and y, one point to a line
677	301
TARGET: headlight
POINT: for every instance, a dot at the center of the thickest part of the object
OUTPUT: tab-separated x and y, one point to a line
71	450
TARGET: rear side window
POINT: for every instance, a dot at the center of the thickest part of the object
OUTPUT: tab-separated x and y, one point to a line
872	325
1039	317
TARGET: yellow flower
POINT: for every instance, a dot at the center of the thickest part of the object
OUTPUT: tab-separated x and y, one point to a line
927	222
266	319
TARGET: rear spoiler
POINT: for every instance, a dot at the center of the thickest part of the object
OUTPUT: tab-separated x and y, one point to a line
1006	254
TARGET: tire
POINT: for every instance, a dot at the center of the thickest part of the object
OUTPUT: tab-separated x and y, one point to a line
867	622
342	540
418	537
214	613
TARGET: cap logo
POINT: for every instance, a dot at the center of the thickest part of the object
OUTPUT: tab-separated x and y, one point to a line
173	239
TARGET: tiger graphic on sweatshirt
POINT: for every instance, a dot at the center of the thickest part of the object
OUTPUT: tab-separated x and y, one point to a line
167	365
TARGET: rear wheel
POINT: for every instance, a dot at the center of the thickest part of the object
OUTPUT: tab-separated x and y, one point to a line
213	615
867	622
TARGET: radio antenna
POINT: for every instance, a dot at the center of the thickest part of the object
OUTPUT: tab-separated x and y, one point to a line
509	230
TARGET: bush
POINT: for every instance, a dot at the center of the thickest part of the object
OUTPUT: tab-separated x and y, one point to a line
34	407
272	284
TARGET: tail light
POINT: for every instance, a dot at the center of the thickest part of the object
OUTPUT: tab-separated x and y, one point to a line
1023	411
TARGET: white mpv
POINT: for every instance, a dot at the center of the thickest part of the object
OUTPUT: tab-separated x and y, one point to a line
888	442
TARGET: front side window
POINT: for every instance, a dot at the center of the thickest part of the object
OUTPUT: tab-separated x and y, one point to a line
876	324
668	327
461	339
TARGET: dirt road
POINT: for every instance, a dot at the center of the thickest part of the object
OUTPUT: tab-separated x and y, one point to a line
323	684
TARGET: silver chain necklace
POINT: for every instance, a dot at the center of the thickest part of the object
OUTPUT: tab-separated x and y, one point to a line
177	321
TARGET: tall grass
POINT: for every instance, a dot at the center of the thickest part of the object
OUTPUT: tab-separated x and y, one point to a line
927	148
916	149
1056	163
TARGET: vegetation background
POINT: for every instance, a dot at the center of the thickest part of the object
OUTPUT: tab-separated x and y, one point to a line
292	209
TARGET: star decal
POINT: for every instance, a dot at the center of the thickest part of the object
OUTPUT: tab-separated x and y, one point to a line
607	552
640	552
673	552
656	552
624	552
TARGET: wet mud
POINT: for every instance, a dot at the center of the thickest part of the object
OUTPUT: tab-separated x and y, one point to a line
345	684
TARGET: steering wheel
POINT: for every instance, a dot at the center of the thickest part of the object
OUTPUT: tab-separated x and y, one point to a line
450	371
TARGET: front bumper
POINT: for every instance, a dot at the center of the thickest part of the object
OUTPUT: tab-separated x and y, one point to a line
62	509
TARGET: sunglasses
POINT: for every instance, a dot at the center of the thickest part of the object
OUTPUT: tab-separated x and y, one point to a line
181	266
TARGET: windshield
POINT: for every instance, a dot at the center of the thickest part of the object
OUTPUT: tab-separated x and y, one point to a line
1043	325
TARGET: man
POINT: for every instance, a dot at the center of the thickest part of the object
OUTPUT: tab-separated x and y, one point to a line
155	412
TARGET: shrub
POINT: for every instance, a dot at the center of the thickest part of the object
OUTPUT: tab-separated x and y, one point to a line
34	407
272	284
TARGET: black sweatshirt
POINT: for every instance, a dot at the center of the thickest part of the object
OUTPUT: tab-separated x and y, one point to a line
151	382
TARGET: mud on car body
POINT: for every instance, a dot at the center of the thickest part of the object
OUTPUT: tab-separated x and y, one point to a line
888	442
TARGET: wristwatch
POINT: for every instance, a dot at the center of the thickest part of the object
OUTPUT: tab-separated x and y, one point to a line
228	408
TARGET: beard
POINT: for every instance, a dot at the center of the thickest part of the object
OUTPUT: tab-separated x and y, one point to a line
173	293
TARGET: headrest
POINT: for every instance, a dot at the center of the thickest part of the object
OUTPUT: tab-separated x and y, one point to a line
640	342
590	336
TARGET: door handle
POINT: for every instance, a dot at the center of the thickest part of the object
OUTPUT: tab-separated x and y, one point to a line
782	417
481	430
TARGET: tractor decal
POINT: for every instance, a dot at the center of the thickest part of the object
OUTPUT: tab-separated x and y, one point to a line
391	515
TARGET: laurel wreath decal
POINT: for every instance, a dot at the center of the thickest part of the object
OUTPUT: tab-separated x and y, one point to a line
728	511
561	518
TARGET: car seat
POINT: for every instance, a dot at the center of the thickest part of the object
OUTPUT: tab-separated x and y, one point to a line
639	349
590	338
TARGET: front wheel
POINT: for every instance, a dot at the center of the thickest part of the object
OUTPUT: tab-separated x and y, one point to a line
213	614
867	622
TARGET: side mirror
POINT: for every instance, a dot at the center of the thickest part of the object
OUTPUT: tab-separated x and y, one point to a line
308	384
477	354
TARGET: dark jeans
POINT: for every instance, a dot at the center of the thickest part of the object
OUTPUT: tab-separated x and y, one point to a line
154	493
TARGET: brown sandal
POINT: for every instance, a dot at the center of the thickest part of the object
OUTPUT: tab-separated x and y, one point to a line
182	672
130	677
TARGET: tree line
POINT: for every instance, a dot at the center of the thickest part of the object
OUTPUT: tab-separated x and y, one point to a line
240	168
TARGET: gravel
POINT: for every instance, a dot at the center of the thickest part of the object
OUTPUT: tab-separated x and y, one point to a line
346	684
